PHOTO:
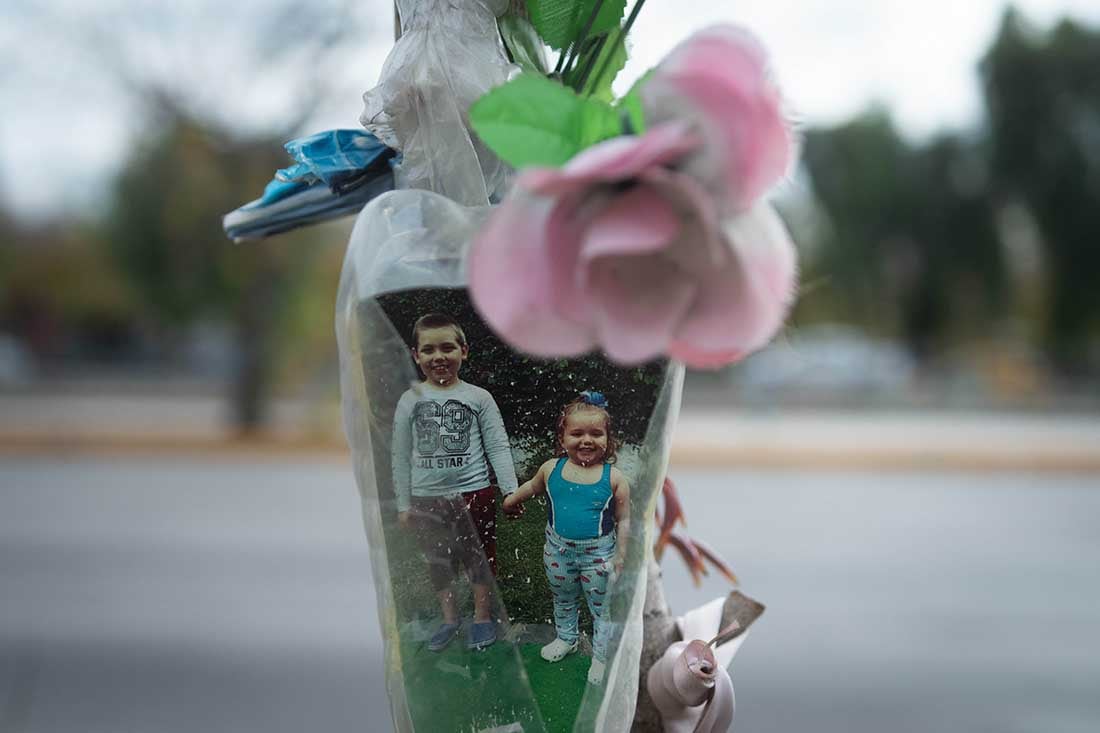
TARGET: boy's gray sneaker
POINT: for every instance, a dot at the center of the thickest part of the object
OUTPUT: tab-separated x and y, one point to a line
482	634
442	637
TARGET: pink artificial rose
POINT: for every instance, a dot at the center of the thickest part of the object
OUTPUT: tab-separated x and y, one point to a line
629	249
719	80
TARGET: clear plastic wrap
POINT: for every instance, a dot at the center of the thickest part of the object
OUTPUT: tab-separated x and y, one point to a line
448	55
406	256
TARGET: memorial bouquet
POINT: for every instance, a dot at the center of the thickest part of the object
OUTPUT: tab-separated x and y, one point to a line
536	261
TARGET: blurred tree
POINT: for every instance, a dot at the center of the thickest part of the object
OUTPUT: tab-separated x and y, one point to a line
910	247
854	170
959	289
164	227
61	294
1043	98
215	90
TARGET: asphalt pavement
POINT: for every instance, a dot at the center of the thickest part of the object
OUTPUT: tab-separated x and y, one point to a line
165	593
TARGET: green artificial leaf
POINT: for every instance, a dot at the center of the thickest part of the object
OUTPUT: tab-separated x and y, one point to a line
559	22
606	59
533	121
523	43
597	121
631	104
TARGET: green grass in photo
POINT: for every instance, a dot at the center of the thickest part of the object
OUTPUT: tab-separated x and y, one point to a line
558	687
463	690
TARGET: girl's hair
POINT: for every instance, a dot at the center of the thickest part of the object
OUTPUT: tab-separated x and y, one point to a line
437	320
589	400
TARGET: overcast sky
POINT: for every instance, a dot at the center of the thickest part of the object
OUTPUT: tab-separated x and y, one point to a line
62	133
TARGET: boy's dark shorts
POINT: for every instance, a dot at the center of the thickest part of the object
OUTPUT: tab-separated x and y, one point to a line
457	531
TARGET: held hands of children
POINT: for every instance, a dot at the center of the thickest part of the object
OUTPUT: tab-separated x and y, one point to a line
513	504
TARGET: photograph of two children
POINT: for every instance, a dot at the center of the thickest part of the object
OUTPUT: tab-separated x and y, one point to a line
506	484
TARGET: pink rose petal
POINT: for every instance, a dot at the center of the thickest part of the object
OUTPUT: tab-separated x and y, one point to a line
508	286
639	221
720	76
565	230
738	310
614	160
637	304
756	149
702	248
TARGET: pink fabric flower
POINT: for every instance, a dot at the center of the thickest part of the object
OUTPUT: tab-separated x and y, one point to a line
719	79
636	246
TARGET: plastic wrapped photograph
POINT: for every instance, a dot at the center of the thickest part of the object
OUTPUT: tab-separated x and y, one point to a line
536	261
497	491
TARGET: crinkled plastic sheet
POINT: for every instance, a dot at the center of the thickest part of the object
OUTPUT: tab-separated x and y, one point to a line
415	239
448	55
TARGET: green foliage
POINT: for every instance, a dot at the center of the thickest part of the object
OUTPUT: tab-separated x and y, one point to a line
533	121
63	296
523	43
67	276
538	121
560	22
164	223
911	246
598	64
1043	97
163	228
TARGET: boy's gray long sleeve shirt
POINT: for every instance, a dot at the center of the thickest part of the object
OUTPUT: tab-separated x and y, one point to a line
441	440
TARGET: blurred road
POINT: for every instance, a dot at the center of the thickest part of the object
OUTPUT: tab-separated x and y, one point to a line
165	594
153	596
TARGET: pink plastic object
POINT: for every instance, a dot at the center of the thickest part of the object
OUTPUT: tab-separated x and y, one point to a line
693	693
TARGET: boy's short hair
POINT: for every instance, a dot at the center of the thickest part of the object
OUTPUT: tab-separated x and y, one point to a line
437	320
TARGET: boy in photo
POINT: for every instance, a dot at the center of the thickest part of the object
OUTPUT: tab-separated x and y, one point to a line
447	433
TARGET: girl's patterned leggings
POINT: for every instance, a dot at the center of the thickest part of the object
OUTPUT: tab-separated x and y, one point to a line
574	567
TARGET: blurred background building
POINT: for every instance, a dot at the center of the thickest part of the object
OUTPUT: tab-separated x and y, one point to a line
947	335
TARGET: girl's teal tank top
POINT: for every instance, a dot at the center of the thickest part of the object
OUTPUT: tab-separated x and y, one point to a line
580	511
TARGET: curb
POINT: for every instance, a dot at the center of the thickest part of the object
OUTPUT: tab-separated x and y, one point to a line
687	452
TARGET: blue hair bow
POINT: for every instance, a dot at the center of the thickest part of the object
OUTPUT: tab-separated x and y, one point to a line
594	398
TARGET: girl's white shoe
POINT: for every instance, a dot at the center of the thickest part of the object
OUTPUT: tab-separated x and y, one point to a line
556	650
595	672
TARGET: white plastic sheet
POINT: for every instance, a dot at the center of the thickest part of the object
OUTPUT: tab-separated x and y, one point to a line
448	55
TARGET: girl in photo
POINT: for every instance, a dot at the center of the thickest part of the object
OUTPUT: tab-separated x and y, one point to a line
589	508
